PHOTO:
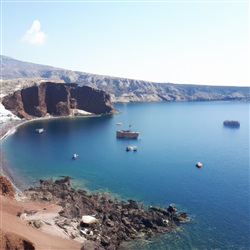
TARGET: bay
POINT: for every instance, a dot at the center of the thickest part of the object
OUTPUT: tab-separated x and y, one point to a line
173	137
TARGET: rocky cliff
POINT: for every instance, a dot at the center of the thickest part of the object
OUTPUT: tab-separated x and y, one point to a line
6	187
57	99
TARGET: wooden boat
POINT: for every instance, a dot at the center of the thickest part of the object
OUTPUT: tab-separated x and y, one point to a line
127	134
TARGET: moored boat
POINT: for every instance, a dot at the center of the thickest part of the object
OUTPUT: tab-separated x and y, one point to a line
131	148
39	130
75	156
127	134
198	164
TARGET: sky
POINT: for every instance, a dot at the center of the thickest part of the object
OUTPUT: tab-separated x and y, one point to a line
187	42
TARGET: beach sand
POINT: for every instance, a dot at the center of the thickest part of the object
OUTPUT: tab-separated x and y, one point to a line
44	238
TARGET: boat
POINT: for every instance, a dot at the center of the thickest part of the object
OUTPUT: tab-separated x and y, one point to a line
231	123
39	130
127	134
198	164
75	156
131	148
119	123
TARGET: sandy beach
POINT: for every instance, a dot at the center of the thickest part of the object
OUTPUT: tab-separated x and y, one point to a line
46	237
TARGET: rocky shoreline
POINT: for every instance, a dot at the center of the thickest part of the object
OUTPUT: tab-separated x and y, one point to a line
114	221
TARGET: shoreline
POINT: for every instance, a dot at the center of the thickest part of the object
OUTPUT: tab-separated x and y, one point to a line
113	222
128	219
6	169
18	183
12	129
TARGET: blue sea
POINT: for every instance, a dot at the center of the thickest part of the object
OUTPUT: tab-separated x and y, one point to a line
173	137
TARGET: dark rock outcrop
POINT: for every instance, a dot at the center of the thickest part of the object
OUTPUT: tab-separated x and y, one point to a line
57	99
115	221
6	187
11	241
231	123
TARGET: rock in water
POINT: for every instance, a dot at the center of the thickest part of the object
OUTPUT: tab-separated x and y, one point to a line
231	123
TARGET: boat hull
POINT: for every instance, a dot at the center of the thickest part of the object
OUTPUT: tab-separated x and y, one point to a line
127	134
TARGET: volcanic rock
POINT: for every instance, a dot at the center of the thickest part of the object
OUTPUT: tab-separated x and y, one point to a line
117	221
57	99
13	241
6	187
231	123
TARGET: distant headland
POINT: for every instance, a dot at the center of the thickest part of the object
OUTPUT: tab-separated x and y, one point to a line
18	74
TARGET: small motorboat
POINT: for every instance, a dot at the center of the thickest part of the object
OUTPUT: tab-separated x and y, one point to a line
75	156
131	148
118	123
39	130
198	164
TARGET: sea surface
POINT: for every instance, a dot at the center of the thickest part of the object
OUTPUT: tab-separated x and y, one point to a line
173	137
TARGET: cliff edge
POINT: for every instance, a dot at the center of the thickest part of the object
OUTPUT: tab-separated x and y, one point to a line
57	99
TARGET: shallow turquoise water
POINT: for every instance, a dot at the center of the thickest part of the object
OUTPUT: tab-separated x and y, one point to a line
173	136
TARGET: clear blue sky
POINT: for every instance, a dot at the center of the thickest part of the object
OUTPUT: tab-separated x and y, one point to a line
193	42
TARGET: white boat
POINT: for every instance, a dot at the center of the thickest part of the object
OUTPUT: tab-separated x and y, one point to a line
118	123
131	148
39	130
75	156
198	164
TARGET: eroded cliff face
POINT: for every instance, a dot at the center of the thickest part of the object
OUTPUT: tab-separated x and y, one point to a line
6	188
57	99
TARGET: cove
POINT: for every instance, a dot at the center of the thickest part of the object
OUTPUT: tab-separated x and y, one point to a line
173	137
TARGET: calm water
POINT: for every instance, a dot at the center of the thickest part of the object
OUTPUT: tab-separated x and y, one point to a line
173	137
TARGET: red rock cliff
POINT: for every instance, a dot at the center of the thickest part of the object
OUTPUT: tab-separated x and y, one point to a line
57	99
6	187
